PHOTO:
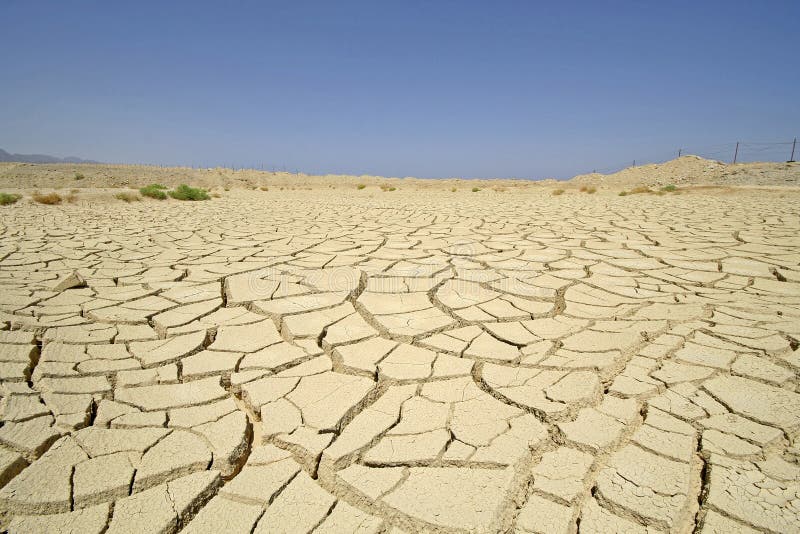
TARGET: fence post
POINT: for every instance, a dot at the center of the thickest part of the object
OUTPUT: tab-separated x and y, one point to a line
634	163
679	152
794	143
736	153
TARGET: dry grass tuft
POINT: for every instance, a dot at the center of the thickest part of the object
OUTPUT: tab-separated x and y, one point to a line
128	196
557	192
640	189
591	190
265	188
360	186
476	189
49	199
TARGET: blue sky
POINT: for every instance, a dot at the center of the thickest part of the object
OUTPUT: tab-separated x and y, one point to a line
412	88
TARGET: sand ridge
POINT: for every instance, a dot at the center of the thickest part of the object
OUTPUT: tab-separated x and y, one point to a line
359	361
682	172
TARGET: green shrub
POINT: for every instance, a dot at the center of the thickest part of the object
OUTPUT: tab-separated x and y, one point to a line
128	196
184	192
623	193
669	188
360	186
79	176
452	189
154	191
8	198
476	189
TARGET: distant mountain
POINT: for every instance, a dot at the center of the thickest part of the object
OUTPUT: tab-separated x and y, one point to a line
40	158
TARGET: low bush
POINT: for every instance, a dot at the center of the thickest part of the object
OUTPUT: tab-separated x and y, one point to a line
79	176
641	189
591	190
360	186
453	190
265	188
476	189
50	198
8	198
583	189
557	192
623	193
184	192
154	191
669	188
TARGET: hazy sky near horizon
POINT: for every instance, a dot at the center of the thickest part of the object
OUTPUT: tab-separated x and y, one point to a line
411	88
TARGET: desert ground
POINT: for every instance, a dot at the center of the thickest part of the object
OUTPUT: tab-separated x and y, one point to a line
303	354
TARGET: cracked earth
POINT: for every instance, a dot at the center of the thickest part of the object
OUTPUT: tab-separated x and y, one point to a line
413	363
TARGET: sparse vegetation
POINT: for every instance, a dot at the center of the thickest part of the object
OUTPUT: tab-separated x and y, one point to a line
265	188
452	189
476	189
591	190
128	196
557	192
154	191
184	192
623	193
50	198
669	188
640	189
360	186
8	198
79	176
583	189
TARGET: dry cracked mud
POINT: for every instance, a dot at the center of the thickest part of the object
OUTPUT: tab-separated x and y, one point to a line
416	363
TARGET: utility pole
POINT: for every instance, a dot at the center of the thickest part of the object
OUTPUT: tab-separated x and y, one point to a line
634	163
736	153
679	152
794	144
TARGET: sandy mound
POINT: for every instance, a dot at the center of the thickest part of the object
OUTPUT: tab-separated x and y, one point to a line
694	170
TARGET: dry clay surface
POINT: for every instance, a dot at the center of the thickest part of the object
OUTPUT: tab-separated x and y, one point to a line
411	363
